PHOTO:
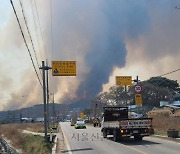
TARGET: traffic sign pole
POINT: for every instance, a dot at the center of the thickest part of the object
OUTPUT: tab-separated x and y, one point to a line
138	90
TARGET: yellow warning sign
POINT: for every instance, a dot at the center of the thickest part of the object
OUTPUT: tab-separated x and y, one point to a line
64	68
138	99
123	80
82	115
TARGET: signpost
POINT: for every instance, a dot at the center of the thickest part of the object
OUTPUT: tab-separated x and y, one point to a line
123	80
81	115
138	99
64	68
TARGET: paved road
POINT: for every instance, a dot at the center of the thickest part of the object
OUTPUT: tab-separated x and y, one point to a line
89	141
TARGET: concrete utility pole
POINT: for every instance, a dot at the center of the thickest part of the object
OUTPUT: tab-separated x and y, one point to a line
54	114
44	97
47	85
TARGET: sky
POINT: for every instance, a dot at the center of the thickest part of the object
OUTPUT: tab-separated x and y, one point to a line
105	38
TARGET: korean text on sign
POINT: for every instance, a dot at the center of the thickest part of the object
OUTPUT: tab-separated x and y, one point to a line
64	68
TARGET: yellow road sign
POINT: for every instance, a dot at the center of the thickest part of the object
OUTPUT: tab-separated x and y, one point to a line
82	115
138	99
123	80
64	68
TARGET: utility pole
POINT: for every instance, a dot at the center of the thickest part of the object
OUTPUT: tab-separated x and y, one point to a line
125	88
136	80
95	113
44	98
47	85
53	110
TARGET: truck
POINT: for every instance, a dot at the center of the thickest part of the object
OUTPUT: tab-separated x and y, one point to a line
115	122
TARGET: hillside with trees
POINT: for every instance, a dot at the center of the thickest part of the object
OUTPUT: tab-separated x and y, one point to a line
155	89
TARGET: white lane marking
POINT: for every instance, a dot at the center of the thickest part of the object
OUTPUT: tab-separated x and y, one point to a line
66	141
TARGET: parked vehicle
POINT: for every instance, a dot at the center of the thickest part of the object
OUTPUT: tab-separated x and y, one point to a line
116	122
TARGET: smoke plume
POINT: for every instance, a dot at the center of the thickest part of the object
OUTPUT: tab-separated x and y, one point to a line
102	36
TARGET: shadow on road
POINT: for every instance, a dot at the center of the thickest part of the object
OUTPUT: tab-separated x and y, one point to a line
75	150
131	141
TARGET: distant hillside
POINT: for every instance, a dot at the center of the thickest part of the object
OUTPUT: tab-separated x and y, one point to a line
82	104
34	112
37	111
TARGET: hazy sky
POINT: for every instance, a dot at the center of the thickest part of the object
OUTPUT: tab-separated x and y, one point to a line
107	38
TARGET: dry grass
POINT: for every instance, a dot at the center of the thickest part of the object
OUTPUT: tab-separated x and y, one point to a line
164	119
35	127
35	145
165	123
29	144
12	133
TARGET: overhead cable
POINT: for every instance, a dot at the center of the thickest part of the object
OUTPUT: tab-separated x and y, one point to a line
35	25
52	45
29	34
51	28
40	28
25	42
170	72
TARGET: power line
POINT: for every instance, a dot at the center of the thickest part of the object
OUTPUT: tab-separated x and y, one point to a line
35	25
40	28
52	45
25	42
163	74
29	34
170	72
51	29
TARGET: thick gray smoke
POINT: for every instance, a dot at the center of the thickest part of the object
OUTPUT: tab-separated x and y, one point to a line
95	32
108	48
100	35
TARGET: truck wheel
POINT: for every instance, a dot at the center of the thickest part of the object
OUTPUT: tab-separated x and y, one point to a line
138	137
116	136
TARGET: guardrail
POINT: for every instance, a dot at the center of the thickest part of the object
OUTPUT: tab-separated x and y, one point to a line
5	148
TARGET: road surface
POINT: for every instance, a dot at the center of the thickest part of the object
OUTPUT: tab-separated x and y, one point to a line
90	141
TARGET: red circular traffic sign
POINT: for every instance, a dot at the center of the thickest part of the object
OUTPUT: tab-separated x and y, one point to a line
137	88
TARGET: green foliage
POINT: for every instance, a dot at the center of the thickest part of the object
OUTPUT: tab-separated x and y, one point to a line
87	111
153	94
155	89
176	97
115	96
53	127
164	83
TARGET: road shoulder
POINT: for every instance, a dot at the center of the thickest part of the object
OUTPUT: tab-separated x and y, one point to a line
166	138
